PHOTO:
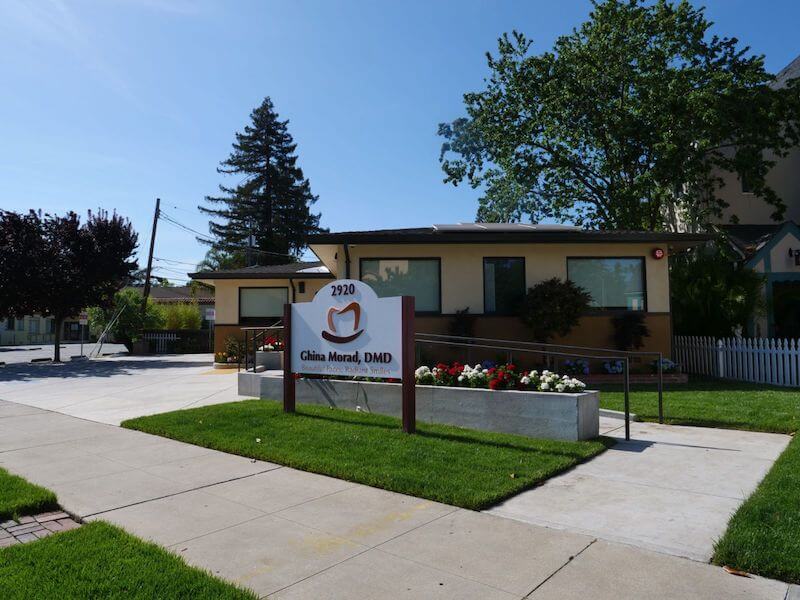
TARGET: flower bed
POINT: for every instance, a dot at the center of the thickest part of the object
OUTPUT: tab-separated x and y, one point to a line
500	377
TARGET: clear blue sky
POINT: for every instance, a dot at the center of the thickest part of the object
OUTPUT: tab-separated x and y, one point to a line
111	104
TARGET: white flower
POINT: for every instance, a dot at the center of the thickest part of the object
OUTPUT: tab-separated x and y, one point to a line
358	409
461	378
545	386
525	381
560	387
258	440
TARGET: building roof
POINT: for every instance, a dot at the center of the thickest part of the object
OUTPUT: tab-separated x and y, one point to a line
296	270
178	293
749	238
505	233
790	71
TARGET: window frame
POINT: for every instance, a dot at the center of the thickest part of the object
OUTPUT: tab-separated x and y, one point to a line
258	320
617	309
497	313
438	260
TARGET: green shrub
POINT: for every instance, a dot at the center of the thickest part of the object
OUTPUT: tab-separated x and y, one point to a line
553	307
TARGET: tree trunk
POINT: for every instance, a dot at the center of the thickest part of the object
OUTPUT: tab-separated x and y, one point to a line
57	349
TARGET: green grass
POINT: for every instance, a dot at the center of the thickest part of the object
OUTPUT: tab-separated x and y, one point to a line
710	403
19	497
462	467
763	537
99	560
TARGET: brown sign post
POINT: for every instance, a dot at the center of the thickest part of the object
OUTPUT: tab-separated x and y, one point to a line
409	405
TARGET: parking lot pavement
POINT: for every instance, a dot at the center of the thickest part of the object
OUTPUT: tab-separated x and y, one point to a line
112	389
25	354
291	534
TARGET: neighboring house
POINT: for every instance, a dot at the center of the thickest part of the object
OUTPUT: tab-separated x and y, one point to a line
35	329
771	248
184	294
483	267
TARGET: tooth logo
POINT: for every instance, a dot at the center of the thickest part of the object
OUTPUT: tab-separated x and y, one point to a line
333	336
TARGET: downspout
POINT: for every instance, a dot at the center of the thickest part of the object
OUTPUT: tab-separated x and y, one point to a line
346	261
294	294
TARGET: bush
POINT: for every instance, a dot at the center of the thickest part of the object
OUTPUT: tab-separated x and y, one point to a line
712	295
500	377
629	331
182	316
131	321
554	307
234	349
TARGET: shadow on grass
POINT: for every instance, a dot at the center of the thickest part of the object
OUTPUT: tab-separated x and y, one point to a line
467	437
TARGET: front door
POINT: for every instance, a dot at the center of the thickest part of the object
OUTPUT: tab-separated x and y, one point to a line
786	308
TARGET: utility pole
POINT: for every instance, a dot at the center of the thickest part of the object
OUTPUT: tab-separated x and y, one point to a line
146	292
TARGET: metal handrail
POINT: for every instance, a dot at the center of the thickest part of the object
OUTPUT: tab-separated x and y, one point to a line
659	368
625	359
257	333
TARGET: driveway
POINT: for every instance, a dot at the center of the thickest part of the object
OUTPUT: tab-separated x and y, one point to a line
289	534
110	390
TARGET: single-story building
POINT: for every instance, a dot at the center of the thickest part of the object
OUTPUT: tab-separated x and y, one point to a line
36	329
483	267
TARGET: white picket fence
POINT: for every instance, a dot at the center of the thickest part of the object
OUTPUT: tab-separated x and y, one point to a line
760	360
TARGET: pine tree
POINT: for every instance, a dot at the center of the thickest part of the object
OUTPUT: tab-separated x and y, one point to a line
271	202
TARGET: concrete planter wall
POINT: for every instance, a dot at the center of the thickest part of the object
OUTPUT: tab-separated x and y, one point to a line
535	414
270	360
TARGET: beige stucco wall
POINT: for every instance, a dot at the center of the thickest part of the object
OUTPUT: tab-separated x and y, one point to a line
784	178
227	294
462	266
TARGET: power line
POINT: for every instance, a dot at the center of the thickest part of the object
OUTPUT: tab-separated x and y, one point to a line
174	222
174	262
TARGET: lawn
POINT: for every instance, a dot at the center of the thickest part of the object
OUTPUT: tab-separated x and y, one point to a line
99	560
710	403
466	468
19	497
763	536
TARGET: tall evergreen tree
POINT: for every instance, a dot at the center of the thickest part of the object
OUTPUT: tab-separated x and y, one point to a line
272	200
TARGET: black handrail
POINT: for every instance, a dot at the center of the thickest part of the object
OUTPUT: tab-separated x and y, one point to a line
624	359
258	334
659	368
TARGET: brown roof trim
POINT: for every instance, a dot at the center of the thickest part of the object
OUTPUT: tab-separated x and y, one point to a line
209	275
432	236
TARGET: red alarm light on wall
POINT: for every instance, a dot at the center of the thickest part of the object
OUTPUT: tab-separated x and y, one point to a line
658	253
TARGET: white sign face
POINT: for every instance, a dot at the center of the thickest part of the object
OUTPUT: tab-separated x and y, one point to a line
211	314
347	330
83	318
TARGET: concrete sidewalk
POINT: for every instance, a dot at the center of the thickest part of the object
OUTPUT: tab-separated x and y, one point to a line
291	534
110	390
670	489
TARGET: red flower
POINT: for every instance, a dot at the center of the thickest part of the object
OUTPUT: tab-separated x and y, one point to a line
511	367
494	384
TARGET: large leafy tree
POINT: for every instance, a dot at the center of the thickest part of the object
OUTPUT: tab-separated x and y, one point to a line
713	295
272	198
626	123
56	266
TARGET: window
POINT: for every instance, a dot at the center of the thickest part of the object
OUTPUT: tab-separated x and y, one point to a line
503	285
301	287
33	325
614	283
257	304
52	325
20	324
747	188
10	324
418	277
